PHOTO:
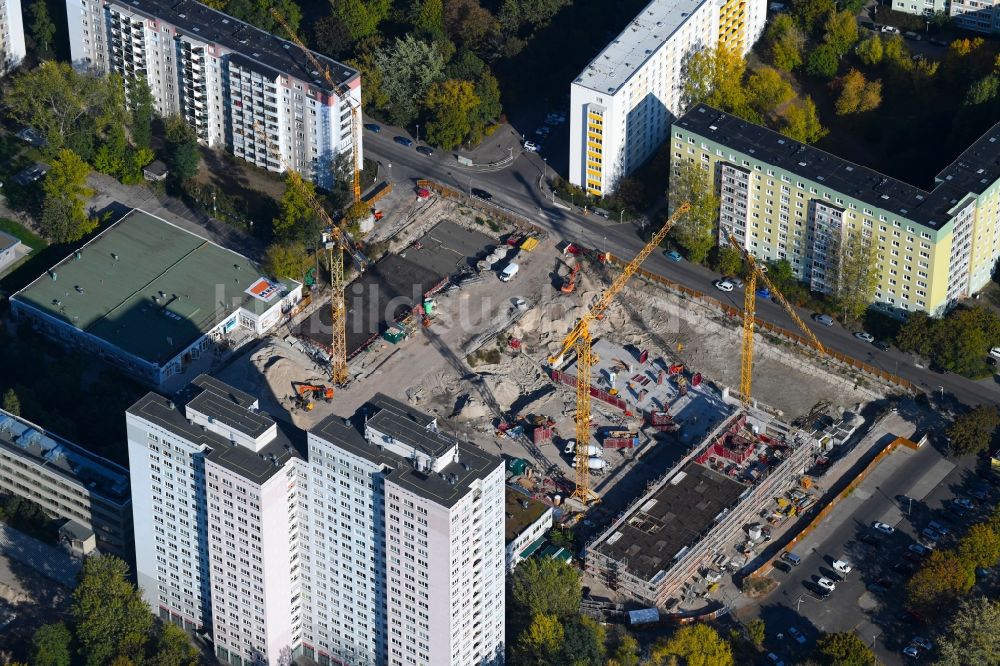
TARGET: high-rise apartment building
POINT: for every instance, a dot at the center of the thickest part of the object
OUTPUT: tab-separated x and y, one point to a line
12	49
622	104
975	15
783	199
232	82
377	541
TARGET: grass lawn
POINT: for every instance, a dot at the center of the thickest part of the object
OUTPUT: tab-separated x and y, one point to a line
18	231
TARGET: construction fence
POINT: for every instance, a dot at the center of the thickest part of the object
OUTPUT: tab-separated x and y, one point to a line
768	327
521	223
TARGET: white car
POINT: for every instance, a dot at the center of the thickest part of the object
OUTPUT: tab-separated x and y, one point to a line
723	285
842	566
883	528
995	352
890	30
824	319
797	635
827	584
531	146
865	337
911	651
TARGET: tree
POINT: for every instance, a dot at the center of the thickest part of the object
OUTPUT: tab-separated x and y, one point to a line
258	13
174	648
296	219
942	579
361	18
468	24
43	30
110	158
111	617
844	649
767	90
583	643
870	50
11	403
841	31
695	645
541	641
785	42
962	339
801	121
715	76
823	62
332	37
983	90
696	230
449	105
406	71
972	432
488	111
980	547
287	260
549	587
857	274
626	650
810	13
64	218
182	156
429	17
143	112
730	260
757	631
52	645
972	637
895	53
916	334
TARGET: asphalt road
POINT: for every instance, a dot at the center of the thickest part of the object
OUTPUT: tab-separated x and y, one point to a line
517	188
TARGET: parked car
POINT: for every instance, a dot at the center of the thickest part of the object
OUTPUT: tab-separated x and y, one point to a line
890	30
865	337
481	194
883	528
723	285
980	493
827	584
875	588
531	146
734	280
797	635
791	558
887	583
965	503
903	568
881	345
775	659
673	255
910	556
373	127
940	528
929	534
825	320
995	352
911	651
918	548
403	140
842	566
425	150
869	539
921	643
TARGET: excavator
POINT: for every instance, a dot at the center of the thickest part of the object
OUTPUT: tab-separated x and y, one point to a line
305	392
570	284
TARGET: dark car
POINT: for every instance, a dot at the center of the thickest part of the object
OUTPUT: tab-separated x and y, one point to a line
373	127
869	539
425	150
881	345
481	194
903	568
885	582
912	557
875	588
403	140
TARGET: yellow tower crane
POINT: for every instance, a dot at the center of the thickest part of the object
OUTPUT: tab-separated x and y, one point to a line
579	341
749	313
343	92
336	241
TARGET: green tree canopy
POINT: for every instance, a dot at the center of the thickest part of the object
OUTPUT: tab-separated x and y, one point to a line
972	635
548	587
695	644
767	90
429	17
870	50
715	76
11	403
696	230
111	617
583	643
287	260
857	94
844	649
940	581
841	31
407	69
541	641
297	218
972	432
856	276
450	105
182	156
174	648
625	650
823	62
980	547
42	30
811	13
64	215
757	631
730	261
785	42
143	112
52	645
983	90
801	121
361	17
469	25
258	13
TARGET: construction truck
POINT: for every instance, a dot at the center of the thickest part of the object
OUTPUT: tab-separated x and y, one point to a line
305	392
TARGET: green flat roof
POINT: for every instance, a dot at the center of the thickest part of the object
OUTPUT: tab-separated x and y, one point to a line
147	287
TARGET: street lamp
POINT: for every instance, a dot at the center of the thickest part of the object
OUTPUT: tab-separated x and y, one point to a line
621	216
418	133
941	389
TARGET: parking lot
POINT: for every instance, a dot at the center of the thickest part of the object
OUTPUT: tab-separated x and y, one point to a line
907	491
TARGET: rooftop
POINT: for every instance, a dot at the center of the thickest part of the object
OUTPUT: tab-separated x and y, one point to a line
521	512
624	56
257	467
671	519
974	171
100	476
148	287
255	45
446	487
7	241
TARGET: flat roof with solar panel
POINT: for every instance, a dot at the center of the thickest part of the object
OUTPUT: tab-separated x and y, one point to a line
150	288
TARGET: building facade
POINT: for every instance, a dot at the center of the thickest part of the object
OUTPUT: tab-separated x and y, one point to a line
12	48
622	104
154	300
782	199
69	482
356	543
240	88
976	15
528	520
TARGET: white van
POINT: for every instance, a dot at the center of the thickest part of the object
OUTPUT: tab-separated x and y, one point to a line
508	273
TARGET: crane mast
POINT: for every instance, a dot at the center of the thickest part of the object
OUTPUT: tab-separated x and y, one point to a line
579	341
